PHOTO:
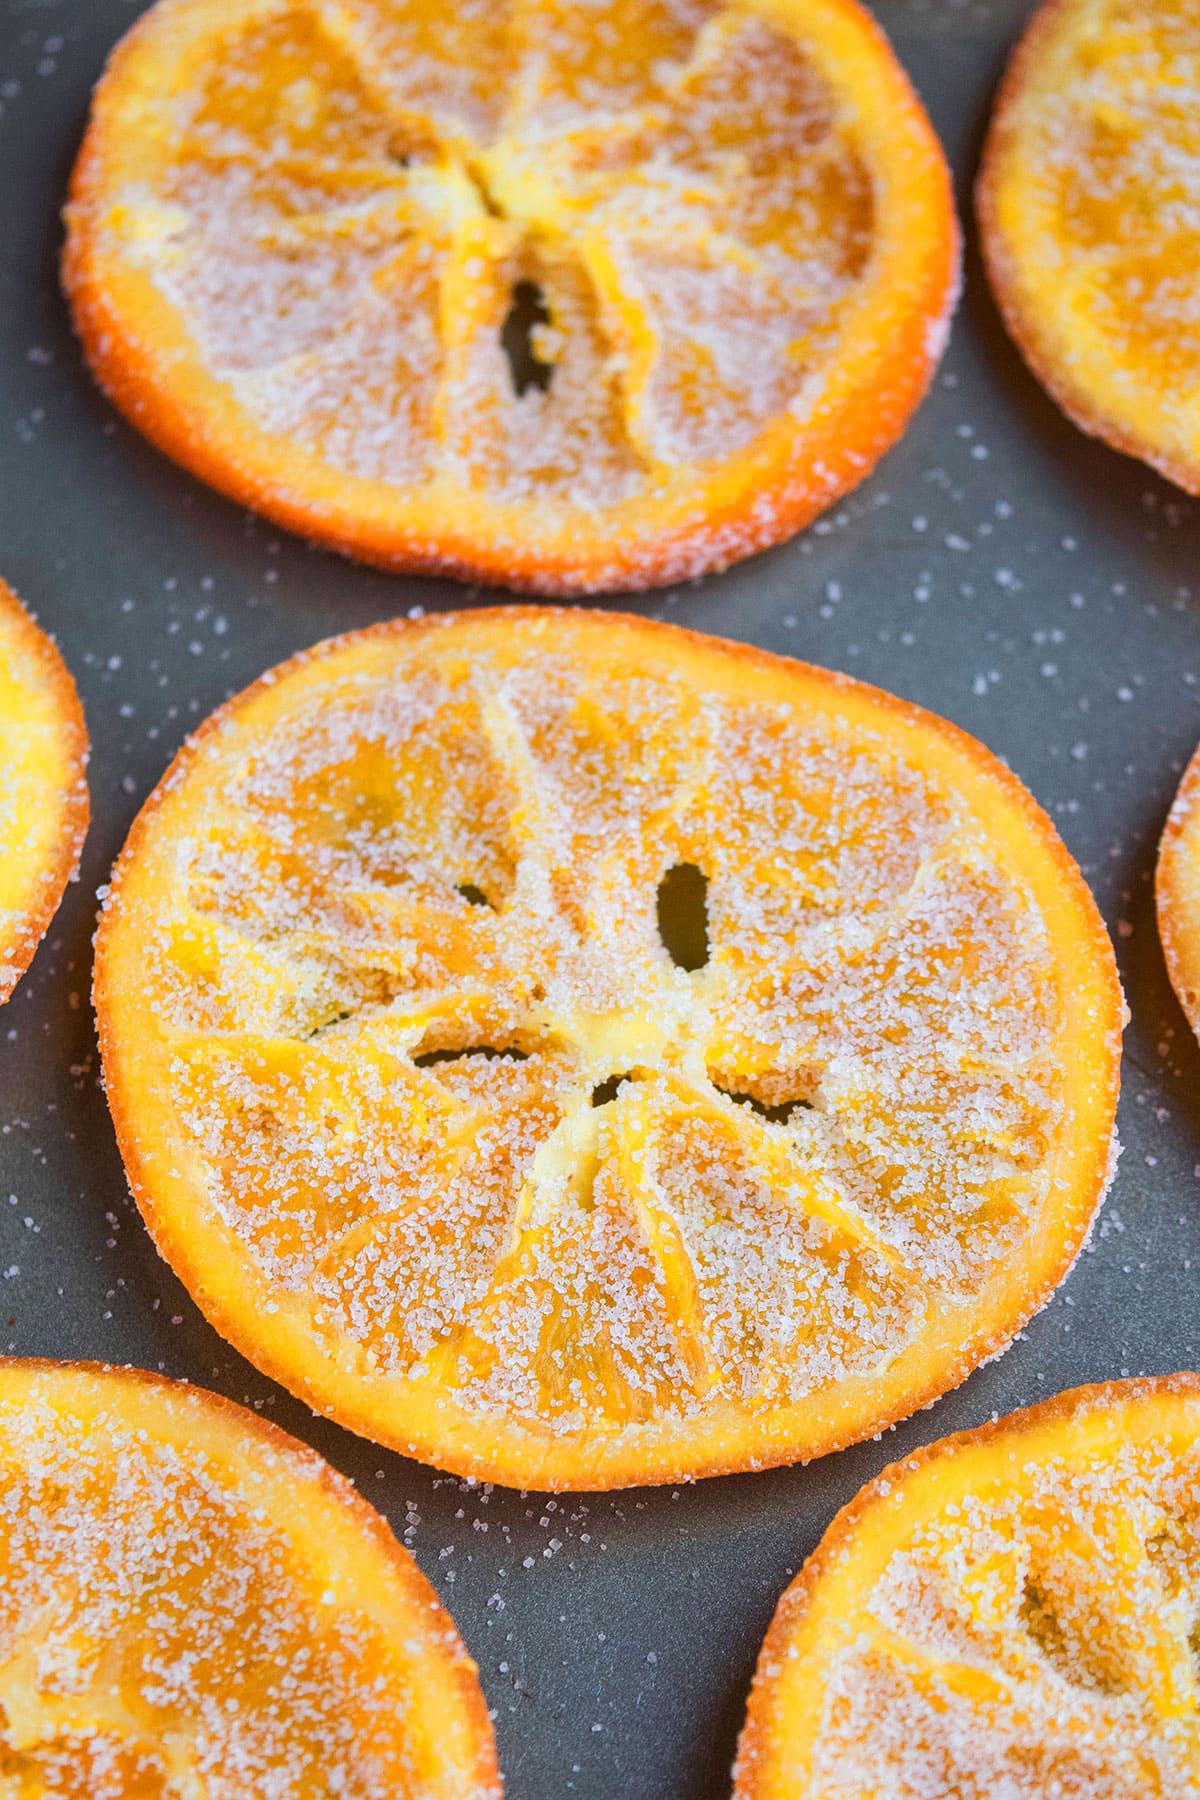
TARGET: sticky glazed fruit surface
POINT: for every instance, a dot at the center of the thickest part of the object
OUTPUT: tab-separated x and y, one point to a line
1088	207
1011	1611
43	785
1177	891
581	1052
567	298
196	1607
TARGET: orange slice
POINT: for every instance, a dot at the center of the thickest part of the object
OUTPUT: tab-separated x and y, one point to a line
1177	887
1012	1611
580	1052
43	788
562	297
196	1607
1088	204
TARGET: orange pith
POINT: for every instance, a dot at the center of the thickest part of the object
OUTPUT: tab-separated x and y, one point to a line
297	235
1088	204
196	1607
43	789
1177	890
417	1100
1011	1611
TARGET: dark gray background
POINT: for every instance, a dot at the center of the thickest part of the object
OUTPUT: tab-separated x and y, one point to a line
999	568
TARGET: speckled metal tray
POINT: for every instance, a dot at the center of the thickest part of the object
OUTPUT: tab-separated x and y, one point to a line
999	568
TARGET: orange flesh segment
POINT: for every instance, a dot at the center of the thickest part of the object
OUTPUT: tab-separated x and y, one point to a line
43	790
414	1094
1013	1610
193	1604
1089	206
568	297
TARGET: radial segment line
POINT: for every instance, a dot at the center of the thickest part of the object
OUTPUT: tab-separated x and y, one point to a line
34	1718
631	1126
340	26
965	1681
461	1134
536	819
805	1191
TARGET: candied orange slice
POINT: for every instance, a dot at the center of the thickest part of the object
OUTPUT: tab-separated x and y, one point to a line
562	297
580	1052
196	1607
1088	204
43	787
1012	1611
1177	888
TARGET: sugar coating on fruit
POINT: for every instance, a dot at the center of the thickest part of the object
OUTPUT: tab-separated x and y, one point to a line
1036	1638
425	1049
353	197
163	1634
1120	169
1092	213
41	787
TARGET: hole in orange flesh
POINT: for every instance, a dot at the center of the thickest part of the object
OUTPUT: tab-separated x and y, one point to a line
519	336
682	912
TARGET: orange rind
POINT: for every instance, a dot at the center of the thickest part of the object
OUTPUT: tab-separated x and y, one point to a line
43	787
1177	889
1088	207
1011	1611
579	1052
196	1607
563	298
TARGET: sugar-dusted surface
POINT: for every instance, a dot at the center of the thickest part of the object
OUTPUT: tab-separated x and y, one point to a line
1092	211
547	276
400	1052
43	789
192	1605
1016	1615
1177	893
1001	569
329	195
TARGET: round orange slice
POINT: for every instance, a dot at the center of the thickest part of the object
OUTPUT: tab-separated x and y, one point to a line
1177	888
1010	1612
561	297
580	1052
1088	207
43	788
196	1607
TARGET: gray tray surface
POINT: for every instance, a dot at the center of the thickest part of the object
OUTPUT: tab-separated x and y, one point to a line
999	568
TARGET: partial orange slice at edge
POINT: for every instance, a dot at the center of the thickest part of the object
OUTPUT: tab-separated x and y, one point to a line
194	1602
43	787
1087	202
1177	891
1012	1609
